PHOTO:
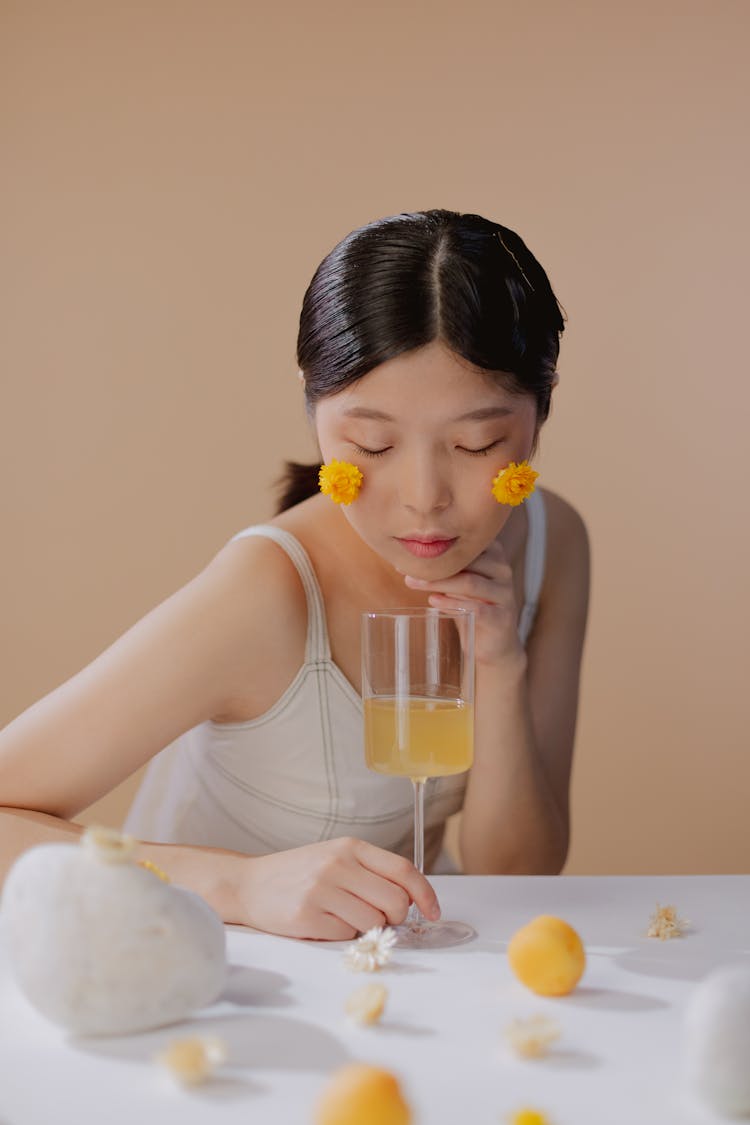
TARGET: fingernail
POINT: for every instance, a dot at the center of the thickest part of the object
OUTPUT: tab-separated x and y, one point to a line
414	581
435	912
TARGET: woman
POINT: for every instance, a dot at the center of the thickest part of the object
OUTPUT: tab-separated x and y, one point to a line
427	349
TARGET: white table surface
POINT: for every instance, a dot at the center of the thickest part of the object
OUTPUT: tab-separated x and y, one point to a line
282	1018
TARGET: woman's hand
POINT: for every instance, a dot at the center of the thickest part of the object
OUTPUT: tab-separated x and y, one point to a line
331	890
486	587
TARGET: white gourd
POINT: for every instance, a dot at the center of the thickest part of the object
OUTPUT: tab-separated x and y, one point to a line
716	1040
103	946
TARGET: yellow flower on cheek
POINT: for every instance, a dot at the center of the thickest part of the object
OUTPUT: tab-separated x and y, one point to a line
514	483
341	481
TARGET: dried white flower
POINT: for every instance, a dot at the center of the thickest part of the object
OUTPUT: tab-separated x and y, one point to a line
372	950
193	1060
530	1038
108	844
665	924
365	1006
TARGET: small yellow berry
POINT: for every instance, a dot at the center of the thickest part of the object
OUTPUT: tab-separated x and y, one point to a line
547	955
358	1094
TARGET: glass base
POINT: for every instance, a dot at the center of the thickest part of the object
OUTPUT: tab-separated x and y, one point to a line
433	935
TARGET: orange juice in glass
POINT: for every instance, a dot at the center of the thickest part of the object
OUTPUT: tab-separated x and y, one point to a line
418	705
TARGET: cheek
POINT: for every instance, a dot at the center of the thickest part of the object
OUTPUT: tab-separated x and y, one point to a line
482	516
487	517
367	511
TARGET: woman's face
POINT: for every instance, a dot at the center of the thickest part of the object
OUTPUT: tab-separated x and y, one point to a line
429	433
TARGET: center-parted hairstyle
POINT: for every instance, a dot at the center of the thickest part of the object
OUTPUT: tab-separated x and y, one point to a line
402	282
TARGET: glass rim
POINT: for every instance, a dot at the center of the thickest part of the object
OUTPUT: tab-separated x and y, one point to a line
417	611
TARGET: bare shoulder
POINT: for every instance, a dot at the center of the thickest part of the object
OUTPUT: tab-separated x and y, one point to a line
255	570
261	576
262	595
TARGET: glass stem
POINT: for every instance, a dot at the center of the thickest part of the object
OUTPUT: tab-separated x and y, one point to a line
415	916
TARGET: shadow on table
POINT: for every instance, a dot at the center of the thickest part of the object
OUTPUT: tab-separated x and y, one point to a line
406	967
568	1058
247	986
397	1027
612	999
259	1041
478	945
681	958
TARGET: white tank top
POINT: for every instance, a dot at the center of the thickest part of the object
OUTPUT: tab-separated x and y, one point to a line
296	774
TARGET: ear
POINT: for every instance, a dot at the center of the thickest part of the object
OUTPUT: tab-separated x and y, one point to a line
555	380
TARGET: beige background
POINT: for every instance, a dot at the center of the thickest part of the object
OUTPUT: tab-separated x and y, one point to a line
173	173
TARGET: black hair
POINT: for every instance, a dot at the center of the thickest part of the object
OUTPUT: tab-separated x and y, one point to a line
404	281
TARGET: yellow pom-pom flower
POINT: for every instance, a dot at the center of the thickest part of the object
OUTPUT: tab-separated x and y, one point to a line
528	1117
340	480
514	483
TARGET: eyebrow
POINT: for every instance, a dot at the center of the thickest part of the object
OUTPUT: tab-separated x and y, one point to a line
480	415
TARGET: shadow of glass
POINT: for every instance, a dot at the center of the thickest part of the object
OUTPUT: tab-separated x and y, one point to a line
484	946
405	968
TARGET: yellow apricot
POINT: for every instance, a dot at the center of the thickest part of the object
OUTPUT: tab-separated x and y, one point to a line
547	956
358	1094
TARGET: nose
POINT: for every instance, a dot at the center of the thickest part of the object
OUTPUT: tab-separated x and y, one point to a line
425	485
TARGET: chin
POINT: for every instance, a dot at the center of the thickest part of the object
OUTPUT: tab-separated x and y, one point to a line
433	570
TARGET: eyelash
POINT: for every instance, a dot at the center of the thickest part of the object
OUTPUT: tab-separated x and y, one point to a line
472	452
371	452
479	452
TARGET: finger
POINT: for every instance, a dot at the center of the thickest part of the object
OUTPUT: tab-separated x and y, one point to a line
353	910
403	873
329	927
473	588
469	584
382	894
486	614
446	601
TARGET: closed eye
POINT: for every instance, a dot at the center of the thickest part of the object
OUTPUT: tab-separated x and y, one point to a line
479	452
371	452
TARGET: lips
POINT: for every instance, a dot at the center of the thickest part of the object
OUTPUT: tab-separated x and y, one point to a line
426	547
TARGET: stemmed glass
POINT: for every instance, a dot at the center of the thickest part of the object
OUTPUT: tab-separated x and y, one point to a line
418	700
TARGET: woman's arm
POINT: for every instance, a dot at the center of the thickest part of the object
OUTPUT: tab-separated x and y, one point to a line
330	891
176	667
235	633
515	817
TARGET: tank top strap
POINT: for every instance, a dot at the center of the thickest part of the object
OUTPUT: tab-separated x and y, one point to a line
317	647
536	552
